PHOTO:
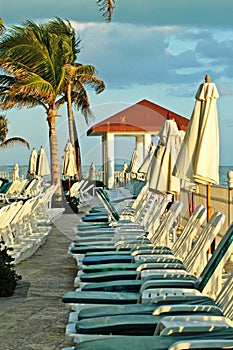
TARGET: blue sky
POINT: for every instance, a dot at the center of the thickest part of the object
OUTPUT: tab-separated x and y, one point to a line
152	49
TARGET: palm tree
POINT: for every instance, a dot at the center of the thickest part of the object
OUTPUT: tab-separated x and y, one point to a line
77	77
107	7
33	59
11	141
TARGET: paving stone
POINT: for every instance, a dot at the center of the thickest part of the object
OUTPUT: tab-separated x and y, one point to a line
34	318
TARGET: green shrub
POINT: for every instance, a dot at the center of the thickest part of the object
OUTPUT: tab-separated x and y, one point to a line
8	275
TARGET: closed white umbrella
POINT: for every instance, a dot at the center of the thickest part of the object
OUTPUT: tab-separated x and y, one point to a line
145	167
198	159
165	155
123	174
42	165
134	164
69	168
15	173
32	162
92	172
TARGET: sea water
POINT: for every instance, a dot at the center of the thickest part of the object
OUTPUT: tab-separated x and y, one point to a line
6	171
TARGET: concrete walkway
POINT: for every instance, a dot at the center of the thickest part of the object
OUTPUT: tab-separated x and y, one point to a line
34	318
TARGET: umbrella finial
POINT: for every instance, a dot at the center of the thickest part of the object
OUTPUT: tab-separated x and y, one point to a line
207	78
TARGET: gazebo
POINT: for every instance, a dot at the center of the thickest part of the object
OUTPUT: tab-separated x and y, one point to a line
142	120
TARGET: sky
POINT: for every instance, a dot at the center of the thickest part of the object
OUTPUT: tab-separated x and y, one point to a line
152	49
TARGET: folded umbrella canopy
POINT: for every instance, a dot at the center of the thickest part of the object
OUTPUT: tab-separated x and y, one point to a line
198	159
134	164
165	155
15	172
69	168
32	162
42	165
92	172
146	165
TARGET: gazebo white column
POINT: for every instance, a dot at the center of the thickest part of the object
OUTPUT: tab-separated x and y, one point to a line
140	149
108	159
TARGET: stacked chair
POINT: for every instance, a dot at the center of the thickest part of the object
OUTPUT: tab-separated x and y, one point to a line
12	190
26	223
140	286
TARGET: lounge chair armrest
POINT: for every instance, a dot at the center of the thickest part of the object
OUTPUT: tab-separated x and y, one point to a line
202	343
167	283
165	309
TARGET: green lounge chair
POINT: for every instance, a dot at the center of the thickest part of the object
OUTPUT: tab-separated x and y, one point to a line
170	330
204	240
142	319
180	248
136	236
220	255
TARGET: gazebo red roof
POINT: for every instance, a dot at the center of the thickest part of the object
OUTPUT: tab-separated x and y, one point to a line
143	116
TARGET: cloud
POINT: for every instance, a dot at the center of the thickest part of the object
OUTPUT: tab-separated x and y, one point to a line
126	55
150	12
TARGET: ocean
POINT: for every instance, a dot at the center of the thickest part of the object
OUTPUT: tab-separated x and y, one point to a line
6	171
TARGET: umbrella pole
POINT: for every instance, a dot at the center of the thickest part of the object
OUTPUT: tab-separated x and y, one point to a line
208	201
69	186
190	203
212	247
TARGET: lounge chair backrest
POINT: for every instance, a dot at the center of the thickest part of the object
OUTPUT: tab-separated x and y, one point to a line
183	244
29	186
142	211
155	218
224	299
218	259
5	187
13	188
146	211
75	188
142	194
161	235
102	195
47	196
8	212
37	187
203	242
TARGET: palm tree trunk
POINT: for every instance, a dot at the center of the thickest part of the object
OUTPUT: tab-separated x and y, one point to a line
77	150
70	115
54	157
73	131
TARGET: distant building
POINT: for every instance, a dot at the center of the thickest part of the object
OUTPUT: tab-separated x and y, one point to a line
142	120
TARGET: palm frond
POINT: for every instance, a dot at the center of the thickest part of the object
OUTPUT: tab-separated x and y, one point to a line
31	49
14	141
66	31
92	81
106	8
81	102
3	127
19	101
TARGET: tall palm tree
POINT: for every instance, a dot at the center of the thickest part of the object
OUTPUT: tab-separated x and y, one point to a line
107	7
4	142
33	60
77	77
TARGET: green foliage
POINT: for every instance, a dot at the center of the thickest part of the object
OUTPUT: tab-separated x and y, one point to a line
8	275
